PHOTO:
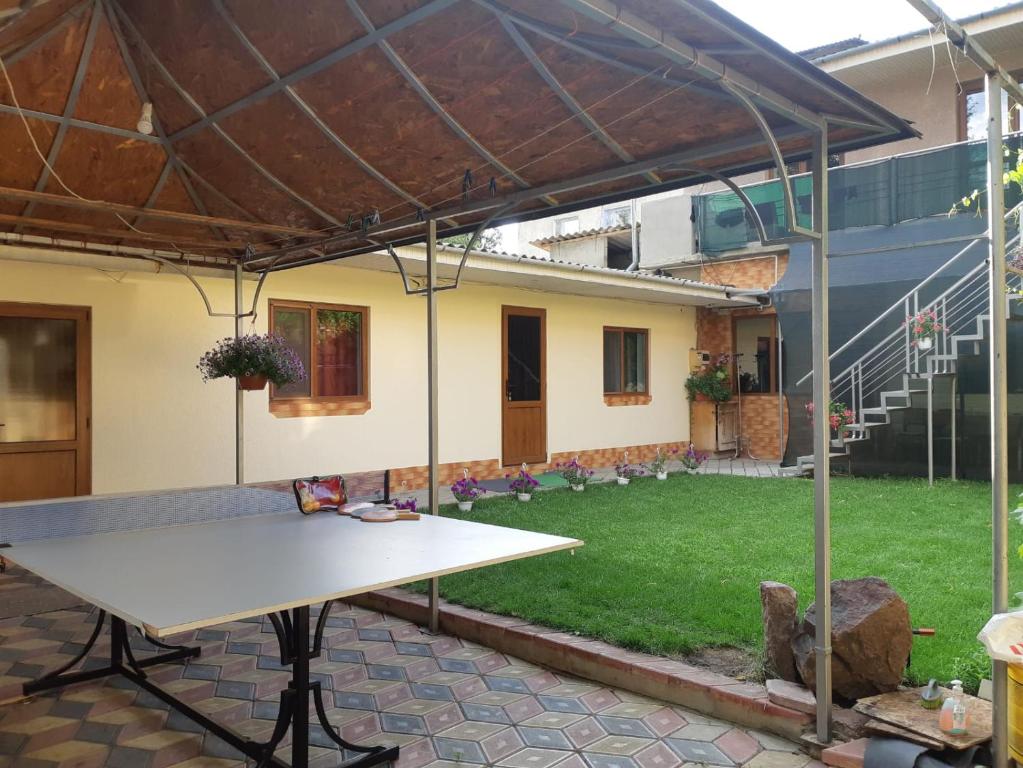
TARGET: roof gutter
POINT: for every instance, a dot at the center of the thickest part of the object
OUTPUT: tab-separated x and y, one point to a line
911	37
712	290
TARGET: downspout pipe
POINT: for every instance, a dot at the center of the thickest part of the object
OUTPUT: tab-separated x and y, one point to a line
635	241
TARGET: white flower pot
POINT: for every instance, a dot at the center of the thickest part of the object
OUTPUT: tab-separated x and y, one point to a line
925	343
623	481
524	496
662	475
465	506
580	487
691	471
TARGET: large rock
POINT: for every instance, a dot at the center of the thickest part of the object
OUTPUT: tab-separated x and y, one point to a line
870	638
781	618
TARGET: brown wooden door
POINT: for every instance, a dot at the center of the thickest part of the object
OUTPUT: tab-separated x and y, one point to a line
524	385
45	401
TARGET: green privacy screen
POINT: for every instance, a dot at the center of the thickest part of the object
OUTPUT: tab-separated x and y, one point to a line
884	193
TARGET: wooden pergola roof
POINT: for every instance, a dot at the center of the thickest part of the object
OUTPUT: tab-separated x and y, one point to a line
290	131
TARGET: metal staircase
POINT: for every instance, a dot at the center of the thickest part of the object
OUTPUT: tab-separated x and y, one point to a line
885	378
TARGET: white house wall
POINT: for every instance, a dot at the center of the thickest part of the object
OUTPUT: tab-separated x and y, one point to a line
157	425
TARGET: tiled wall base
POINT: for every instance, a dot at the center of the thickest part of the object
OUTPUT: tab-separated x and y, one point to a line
413	478
655	676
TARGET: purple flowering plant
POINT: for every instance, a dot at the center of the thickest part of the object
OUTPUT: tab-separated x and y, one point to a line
692	459
522	482
467	489
573	472
253	355
627	470
408	505
661	461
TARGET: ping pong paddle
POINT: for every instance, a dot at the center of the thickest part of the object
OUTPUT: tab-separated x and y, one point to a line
387	515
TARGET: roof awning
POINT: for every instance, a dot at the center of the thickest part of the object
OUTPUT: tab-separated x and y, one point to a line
554	276
289	132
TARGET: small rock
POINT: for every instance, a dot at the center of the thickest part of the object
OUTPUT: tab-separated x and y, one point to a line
849	724
780	610
792	695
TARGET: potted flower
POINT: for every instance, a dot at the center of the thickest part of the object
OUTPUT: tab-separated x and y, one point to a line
924	326
408	505
522	484
466	491
712	382
839	417
692	460
575	474
253	360
625	471
659	466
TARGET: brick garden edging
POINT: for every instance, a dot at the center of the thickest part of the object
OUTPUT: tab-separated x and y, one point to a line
712	694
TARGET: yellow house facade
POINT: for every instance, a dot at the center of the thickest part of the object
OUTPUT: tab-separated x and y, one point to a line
155	424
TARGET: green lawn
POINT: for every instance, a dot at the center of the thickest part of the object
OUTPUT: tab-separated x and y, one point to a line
673	566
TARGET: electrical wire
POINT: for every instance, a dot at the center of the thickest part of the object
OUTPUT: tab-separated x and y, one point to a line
52	170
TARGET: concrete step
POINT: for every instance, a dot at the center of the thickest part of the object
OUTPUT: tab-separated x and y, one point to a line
848	755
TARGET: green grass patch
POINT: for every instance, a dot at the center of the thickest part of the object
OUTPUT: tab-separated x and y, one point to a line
673	566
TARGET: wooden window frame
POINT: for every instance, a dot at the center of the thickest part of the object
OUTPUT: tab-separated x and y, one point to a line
736	319
626	398
314	404
977	86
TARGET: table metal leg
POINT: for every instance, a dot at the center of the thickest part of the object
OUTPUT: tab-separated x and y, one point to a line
293	633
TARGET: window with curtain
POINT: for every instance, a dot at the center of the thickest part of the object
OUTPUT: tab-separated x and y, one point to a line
331	341
626	361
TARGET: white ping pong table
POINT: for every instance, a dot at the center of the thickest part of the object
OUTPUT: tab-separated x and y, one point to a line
175	562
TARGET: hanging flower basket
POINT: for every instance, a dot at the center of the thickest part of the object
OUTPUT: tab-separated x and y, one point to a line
252	383
923	326
575	474
466	491
252	360
522	484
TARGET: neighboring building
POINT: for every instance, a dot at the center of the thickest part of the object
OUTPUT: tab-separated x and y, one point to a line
884	199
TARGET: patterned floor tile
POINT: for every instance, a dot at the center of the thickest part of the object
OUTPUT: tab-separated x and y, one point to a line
532	757
698	752
444	702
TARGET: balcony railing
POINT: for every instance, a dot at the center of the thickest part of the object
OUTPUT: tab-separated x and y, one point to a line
874	193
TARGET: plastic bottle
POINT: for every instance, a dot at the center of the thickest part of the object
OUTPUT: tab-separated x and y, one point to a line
959	714
952	719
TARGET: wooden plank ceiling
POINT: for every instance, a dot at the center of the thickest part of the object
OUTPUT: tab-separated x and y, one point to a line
281	122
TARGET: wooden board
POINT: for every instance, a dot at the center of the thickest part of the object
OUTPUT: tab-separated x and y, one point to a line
902	709
879	728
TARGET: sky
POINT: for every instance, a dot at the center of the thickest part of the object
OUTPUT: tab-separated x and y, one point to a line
802	24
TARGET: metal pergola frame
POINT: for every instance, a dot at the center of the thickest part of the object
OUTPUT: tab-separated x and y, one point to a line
996	82
701	69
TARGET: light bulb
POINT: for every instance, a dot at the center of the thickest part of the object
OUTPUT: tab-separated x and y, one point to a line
145	123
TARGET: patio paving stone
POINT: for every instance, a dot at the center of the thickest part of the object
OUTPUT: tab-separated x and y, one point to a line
447	703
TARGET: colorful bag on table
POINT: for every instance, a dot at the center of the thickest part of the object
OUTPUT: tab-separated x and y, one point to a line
314	494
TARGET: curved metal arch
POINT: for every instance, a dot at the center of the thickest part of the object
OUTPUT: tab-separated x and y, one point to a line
477	233
776	155
202	293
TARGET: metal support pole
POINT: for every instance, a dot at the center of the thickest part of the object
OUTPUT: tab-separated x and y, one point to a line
781	396
433	408
821	436
239	395
930	431
999	398
953	416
